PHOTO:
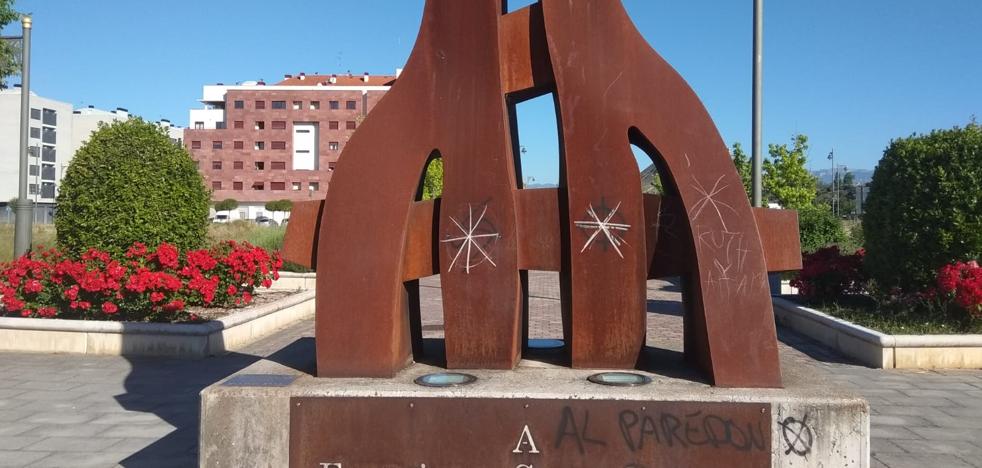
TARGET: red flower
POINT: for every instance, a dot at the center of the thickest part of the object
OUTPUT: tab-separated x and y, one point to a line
246	297
47	312
109	308
11	303
231	290
156	296
138	249
176	305
71	293
167	256
33	286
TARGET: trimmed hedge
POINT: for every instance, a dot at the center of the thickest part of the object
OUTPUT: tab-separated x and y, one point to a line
925	207
130	183
818	227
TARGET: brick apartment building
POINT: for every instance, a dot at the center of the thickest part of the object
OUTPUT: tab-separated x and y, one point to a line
256	143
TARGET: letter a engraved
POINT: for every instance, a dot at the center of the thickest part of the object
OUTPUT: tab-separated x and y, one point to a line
525	439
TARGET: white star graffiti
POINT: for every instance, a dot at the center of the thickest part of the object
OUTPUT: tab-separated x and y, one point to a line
606	227
709	199
469	240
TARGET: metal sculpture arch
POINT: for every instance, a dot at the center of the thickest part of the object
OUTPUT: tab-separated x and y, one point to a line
471	63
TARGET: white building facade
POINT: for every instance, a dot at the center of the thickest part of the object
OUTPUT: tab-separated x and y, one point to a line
56	132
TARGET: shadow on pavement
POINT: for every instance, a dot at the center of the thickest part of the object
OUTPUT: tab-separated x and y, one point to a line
170	389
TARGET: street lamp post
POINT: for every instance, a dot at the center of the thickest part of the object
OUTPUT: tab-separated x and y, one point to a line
835	194
24	206
758	101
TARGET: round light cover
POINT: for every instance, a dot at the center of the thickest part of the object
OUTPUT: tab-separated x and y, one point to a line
620	379
445	379
545	343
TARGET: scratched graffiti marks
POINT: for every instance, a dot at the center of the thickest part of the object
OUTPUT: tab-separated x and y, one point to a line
729	249
606	227
474	241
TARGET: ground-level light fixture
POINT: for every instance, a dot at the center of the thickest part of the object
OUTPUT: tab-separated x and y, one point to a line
445	379
620	379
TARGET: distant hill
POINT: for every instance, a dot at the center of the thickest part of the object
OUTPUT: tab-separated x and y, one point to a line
862	175
546	185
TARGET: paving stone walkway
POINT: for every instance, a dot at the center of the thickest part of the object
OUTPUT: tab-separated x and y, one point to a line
74	411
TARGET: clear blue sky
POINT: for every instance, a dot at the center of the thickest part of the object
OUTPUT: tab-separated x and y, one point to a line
849	74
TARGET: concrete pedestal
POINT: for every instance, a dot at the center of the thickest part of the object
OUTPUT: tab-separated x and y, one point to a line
536	416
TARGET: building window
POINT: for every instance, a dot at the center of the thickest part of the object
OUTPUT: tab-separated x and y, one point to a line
32	170
237	165
350	125
47	189
278	165
258	186
216	185
260	104
216	165
314	105
220	125
50	117
277	186
216	145
32	189
277	145
47	172
330	166
278	125
333	125
260	125
49	135
260	145
260	166
334	105
238	124
279	104
239	104
199	125
35	132
238	145
35	114
195	144
236	185
351	105
333	146
48	153
297	186
297	105
314	186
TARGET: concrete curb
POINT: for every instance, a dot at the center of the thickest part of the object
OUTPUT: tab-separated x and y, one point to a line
291	281
154	339
880	350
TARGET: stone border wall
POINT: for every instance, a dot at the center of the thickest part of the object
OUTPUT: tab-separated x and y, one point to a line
155	339
880	350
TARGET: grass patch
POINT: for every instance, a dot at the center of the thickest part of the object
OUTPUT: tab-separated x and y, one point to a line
865	311
43	234
267	237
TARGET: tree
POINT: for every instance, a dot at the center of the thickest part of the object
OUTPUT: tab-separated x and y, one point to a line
279	205
744	168
786	179
9	63
129	183
924	210
433	179
228	204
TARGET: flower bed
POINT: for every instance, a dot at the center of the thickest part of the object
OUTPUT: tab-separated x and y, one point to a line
145	285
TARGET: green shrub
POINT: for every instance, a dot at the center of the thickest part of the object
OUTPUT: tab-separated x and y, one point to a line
226	205
925	207
131	184
818	227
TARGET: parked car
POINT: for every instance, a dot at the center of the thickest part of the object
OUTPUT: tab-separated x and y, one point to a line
265	221
221	218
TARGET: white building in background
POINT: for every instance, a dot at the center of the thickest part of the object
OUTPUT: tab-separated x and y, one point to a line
50	150
56	133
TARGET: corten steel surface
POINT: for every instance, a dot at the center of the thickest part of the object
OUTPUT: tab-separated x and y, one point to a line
472	432
302	230
456	100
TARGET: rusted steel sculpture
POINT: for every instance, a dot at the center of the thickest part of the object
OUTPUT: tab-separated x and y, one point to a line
470	65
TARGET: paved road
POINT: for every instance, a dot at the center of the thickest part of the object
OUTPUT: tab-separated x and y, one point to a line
63	410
